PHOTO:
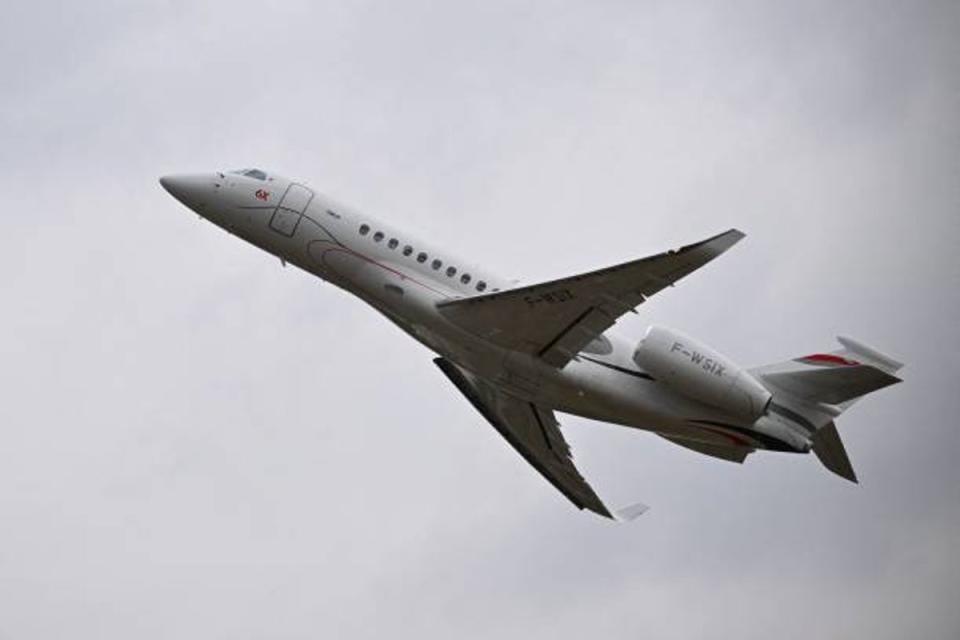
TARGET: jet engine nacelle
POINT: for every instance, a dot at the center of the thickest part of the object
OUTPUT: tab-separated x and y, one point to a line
700	373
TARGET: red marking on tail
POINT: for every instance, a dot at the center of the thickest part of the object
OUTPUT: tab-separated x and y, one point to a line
829	358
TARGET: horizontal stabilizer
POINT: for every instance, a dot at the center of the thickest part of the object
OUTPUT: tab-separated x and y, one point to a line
829	448
832	385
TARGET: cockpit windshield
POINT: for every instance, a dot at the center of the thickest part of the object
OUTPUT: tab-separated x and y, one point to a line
256	174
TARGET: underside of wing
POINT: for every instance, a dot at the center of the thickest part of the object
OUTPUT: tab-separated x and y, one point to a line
532	431
730	453
556	320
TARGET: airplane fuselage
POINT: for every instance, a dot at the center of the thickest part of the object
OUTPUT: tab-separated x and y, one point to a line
404	278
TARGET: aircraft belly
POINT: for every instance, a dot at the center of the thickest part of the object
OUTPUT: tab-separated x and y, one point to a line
637	416
612	396
604	394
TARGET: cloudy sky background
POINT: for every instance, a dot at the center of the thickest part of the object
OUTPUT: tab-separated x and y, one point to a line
196	442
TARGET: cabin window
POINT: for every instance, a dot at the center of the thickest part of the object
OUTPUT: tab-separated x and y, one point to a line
451	271
436	264
421	257
465	278
378	236
407	250
364	229
481	285
393	243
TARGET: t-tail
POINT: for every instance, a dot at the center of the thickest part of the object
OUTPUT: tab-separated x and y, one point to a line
809	392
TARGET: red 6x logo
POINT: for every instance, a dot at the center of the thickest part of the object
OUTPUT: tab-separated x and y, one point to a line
262	194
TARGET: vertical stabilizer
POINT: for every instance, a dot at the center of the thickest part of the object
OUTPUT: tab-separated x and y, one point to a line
829	448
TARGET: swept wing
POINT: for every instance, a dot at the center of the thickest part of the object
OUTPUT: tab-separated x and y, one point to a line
555	320
534	432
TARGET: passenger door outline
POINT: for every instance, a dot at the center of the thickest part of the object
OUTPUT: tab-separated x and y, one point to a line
293	204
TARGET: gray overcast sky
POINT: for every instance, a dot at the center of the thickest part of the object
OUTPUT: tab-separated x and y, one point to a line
195	442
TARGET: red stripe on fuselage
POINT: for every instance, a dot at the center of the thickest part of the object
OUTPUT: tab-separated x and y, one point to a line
402	275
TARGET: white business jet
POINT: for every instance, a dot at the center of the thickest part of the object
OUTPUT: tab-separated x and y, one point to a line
521	353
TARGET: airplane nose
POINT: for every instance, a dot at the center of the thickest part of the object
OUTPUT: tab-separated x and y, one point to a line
193	190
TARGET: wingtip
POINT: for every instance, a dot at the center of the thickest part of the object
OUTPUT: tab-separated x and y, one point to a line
730	237
719	243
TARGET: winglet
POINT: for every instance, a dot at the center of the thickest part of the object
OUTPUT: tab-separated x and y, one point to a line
630	512
880	360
